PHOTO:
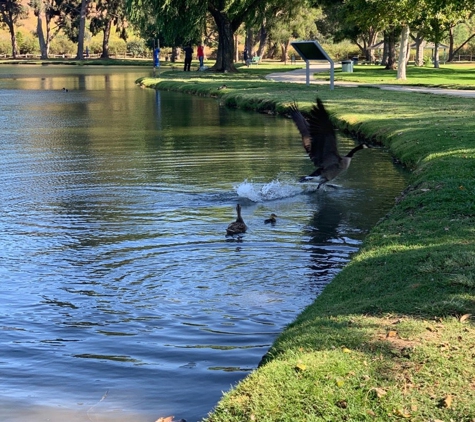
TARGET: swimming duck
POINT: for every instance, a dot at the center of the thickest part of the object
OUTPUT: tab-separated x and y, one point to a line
238	226
319	140
272	220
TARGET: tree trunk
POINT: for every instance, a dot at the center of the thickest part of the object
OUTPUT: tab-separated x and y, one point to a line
225	55
436	55
8	20
249	43
261	50
369	40
105	40
48	37
420	44
391	63
41	36
451	41
236	49
14	44
174	54
82	30
403	49
285	51
384	58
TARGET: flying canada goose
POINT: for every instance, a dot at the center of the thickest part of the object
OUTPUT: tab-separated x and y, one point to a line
272	220
319	140
238	226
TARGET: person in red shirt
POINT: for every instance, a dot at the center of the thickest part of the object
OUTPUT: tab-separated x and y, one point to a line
201	54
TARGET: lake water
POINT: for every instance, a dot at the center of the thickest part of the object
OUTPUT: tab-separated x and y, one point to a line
121	299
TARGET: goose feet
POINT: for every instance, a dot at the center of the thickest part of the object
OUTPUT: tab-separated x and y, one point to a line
304	179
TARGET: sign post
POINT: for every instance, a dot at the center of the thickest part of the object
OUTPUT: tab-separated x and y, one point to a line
312	50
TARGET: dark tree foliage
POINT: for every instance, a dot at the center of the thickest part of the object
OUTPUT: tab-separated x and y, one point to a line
179	21
69	17
108	13
11	11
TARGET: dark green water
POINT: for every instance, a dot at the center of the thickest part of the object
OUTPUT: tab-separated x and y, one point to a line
120	297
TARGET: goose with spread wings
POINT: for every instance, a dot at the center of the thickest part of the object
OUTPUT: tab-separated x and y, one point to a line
319	140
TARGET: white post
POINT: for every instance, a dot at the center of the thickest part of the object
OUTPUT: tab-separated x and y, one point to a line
332	75
308	72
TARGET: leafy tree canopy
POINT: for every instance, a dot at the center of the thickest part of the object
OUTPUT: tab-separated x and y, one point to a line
179	21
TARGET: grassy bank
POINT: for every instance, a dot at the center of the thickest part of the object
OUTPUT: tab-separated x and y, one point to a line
392	336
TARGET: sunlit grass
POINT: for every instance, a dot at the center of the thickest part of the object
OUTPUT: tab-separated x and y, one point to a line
459	76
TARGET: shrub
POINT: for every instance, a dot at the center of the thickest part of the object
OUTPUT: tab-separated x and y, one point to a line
27	43
95	46
137	48
62	45
5	45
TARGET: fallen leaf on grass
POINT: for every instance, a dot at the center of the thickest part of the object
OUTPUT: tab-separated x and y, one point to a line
391	333
300	367
446	401
379	392
402	413
340	382
346	350
465	317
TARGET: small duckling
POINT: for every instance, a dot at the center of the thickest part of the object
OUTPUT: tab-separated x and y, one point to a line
238	226
272	220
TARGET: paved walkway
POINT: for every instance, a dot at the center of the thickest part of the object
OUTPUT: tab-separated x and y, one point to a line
300	76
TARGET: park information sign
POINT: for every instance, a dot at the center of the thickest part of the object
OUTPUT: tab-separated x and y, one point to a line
313	51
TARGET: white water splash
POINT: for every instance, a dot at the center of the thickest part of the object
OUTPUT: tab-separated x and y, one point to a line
260	192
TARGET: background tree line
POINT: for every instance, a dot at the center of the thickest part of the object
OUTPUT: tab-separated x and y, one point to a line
266	26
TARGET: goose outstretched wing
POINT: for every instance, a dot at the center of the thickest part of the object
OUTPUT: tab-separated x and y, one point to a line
318	135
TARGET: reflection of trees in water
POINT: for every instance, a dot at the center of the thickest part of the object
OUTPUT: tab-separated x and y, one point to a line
329	250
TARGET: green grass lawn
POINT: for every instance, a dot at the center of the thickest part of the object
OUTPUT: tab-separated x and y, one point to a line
392	337
459	76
